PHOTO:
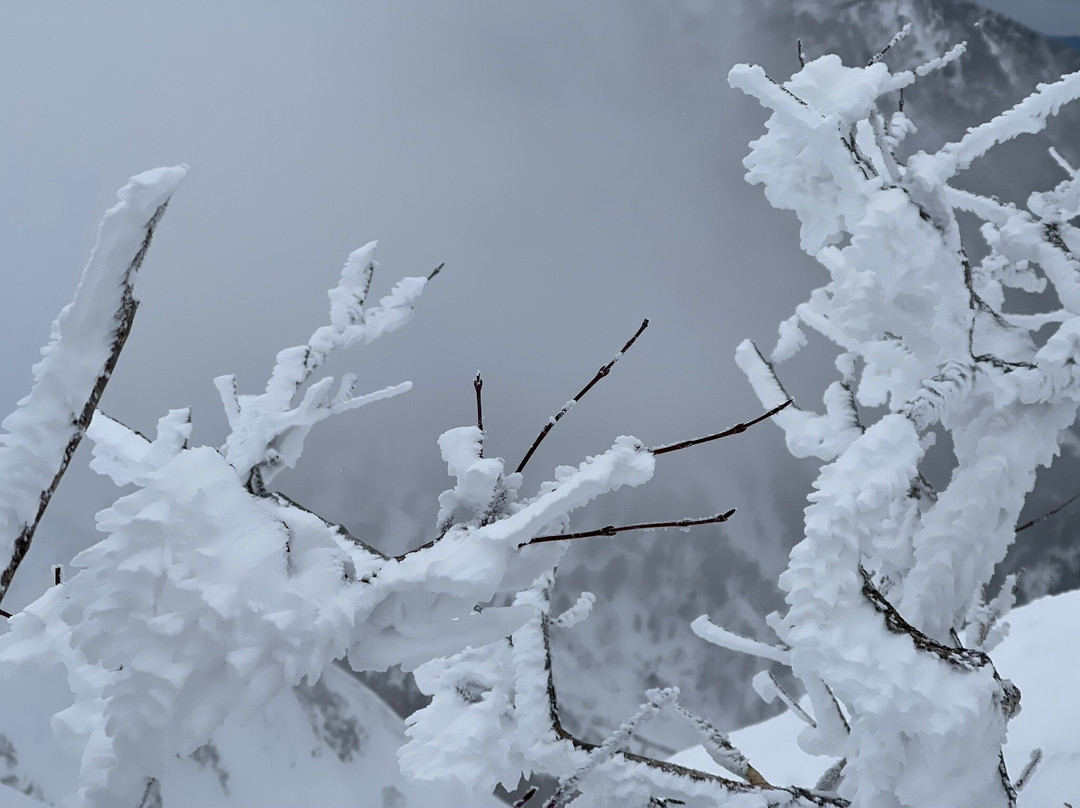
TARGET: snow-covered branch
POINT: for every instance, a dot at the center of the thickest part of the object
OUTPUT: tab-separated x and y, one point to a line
44	431
887	579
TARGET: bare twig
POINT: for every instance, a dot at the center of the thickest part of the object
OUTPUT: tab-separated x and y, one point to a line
478	385
4	613
802	56
735	430
436	271
1049	513
604	371
611	530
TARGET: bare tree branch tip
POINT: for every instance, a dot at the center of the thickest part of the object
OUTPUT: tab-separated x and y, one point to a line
611	530
600	374
436	271
735	430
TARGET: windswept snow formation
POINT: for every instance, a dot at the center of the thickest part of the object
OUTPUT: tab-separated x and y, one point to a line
211	595
43	432
891	573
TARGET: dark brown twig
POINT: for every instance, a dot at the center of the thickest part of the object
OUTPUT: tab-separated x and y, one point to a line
436	271
802	56
478	385
735	430
1049	513
4	613
611	530
604	371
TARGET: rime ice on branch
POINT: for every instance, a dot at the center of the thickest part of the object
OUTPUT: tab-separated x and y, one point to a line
891	573
41	435
210	594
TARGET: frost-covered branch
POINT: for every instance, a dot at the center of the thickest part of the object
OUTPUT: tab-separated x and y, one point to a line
268	430
202	557
44	431
890	573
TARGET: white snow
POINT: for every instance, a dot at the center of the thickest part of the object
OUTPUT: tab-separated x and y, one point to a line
39	431
1037	656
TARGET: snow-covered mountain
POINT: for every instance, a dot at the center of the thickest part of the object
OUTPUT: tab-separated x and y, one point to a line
330	744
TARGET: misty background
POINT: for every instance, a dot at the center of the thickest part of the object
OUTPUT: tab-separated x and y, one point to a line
576	166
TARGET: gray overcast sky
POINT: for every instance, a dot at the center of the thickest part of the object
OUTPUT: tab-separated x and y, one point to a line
1054	17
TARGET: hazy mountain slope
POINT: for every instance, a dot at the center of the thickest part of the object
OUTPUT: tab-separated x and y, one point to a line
333	744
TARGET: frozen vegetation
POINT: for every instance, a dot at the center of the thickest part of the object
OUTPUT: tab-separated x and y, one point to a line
205	626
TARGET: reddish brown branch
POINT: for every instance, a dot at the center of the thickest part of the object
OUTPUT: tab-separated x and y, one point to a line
604	371
735	430
611	530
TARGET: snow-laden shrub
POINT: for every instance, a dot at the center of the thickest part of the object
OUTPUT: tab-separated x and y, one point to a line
211	593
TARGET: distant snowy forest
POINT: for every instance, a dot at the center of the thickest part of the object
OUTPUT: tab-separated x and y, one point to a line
204	613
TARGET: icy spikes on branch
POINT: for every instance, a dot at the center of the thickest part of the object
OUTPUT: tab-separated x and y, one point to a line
924	336
721	750
569	787
268	430
985	629
44	431
575	614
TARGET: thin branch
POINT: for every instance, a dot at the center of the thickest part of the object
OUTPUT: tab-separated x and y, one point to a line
768	687
877	57
604	371
802	56
4	613
1049	513
1029	770
288	502
735	430
611	530
436	271
665	767
477	386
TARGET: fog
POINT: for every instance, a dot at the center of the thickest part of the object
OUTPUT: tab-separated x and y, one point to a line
576	167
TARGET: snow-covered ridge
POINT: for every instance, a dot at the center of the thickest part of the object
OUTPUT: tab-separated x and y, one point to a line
332	745
1032	656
